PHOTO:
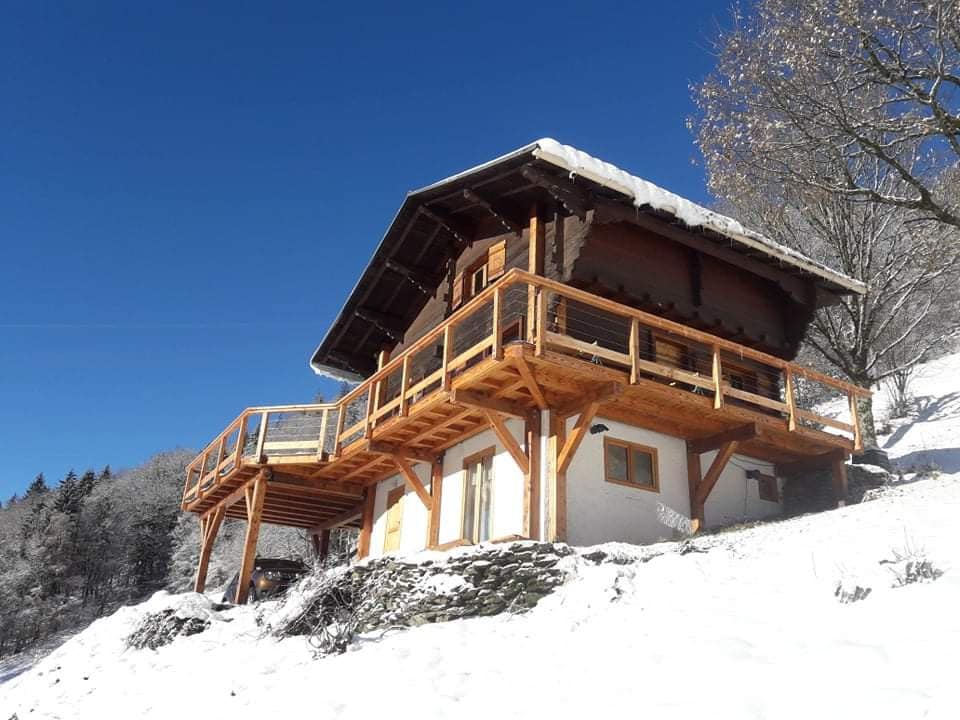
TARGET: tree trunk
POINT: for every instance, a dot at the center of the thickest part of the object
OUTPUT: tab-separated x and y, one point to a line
868	430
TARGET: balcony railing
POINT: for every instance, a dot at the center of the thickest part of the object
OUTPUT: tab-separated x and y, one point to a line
552	317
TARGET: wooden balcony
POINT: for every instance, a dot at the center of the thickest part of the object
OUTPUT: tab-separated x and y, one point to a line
523	344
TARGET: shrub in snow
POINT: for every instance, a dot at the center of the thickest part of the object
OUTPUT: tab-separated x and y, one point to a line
911	565
847	593
193	615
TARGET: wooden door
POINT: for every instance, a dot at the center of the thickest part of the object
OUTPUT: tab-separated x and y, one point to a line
391	540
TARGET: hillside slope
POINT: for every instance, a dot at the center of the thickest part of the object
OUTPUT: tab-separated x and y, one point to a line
749	627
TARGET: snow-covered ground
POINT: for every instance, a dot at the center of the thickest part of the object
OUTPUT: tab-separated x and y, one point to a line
932	435
750	628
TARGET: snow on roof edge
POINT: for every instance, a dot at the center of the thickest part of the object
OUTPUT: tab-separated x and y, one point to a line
645	194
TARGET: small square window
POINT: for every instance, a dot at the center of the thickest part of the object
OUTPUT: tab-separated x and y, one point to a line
630	464
767	484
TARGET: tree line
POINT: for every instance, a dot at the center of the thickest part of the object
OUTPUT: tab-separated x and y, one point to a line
75	550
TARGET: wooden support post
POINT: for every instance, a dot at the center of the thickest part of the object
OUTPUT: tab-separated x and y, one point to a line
531	492
838	475
717	379
790	396
534	266
413	481
540	322
580	429
254	497
366	522
436	493
694	475
556	482
321	544
209	526
706	485
531	382
506	439
404	382
634	349
495	323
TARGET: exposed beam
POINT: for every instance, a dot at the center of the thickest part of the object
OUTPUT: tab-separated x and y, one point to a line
413	481
317	486
506	439
459	231
469	398
570	199
598	394
388	324
741	433
580	429
344	518
523	367
706	485
386	448
425	280
502	215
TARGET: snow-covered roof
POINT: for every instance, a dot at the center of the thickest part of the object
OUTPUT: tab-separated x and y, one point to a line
644	194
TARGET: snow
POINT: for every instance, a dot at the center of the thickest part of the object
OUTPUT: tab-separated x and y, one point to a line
645	194
749	627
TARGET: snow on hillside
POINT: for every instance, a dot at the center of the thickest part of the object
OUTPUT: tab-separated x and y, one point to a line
933	435
748	628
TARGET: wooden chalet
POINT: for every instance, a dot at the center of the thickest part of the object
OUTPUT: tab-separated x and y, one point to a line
545	347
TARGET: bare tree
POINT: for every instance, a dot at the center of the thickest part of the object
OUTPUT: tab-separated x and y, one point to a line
909	263
827	93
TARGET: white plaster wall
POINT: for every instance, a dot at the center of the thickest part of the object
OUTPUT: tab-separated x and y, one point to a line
735	498
507	491
415	519
599	511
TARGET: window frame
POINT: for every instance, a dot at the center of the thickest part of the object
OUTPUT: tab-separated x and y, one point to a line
469	461
630	448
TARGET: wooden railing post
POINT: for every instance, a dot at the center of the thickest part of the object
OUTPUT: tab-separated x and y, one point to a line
447	355
261	437
323	433
203	471
634	349
497	332
540	321
371	404
404	382
241	441
791	399
717	372
341	414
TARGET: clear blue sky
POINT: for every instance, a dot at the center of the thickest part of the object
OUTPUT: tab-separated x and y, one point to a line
187	195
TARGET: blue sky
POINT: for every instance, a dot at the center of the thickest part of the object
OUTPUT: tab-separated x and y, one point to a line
188	194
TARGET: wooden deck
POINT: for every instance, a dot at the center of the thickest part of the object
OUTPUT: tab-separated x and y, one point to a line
524	344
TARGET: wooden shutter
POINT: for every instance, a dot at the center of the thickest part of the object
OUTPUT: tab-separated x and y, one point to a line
456	292
391	540
496	260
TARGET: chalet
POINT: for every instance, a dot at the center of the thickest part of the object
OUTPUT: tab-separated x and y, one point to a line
545	347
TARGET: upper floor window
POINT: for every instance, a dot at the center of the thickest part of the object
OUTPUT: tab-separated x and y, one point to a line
480	273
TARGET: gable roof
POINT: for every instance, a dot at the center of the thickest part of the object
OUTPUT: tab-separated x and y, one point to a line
426	227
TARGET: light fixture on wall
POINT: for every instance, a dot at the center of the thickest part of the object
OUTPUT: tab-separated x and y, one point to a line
597	428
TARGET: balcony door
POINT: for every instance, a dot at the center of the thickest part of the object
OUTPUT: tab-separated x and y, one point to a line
477	496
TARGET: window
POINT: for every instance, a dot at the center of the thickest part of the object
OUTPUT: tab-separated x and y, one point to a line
477	491
480	273
767	485
626	463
